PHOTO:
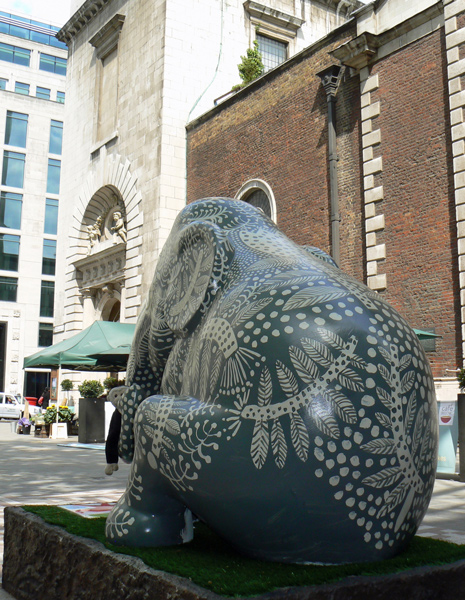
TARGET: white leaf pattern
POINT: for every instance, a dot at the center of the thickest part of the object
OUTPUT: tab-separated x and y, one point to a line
299	436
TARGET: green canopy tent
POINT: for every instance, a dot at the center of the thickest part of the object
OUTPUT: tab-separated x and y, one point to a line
104	346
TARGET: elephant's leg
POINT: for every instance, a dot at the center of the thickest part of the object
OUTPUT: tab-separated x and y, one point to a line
148	514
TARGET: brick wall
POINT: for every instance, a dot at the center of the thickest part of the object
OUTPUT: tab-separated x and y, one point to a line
277	131
420	233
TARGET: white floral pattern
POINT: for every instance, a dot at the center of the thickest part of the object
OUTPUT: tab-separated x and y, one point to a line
292	362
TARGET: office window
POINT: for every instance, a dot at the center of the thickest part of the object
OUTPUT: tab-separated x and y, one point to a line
43	93
22	88
49	257
16	129
56	137
11	24
51	216
47	291
8	288
61	97
13	169
53	176
273	52
45	334
52	64
19	32
10	210
3	83
13	54
9	252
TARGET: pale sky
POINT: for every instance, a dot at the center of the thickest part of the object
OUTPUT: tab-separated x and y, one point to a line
55	12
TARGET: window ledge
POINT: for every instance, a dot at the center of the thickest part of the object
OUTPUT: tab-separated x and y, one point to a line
113	136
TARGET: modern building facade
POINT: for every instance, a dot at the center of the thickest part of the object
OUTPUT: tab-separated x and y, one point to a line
391	83
32	95
139	71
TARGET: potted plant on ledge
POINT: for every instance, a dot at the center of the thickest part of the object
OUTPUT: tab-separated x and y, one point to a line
67	386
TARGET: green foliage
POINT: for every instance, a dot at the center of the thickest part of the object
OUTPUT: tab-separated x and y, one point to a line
67	385
211	563
64	414
251	66
111	382
461	379
91	388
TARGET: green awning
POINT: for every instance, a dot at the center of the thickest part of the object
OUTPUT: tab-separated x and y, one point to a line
104	346
425	335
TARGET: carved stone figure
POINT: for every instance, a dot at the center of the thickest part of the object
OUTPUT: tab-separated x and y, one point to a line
118	226
278	399
94	232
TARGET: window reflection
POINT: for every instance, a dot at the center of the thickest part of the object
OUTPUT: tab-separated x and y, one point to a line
10	210
53	176
13	169
16	129
56	137
51	216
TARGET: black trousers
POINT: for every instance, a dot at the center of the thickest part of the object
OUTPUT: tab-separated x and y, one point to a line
111	445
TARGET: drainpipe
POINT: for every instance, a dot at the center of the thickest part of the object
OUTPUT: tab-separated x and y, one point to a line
330	78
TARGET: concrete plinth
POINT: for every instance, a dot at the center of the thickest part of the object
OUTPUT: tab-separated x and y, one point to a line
44	562
59	431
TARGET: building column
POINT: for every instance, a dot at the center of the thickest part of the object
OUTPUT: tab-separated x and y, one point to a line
88	313
372	166
454	27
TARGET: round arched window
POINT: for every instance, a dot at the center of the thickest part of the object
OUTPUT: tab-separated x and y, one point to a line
259	194
259	199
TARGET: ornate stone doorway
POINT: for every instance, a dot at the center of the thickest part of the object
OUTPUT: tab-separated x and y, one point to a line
101	273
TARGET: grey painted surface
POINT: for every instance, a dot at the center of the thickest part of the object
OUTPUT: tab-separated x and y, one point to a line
31	471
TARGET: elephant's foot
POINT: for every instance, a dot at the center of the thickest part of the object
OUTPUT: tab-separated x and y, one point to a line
167	524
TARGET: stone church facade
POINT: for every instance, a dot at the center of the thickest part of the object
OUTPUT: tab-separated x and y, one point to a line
390	196
138	72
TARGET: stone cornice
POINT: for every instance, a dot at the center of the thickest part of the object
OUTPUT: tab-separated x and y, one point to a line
81	18
363	49
273	16
106	40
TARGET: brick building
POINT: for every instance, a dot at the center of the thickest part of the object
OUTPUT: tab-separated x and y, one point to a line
396	72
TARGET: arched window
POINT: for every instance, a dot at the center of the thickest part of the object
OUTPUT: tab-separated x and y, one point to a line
259	194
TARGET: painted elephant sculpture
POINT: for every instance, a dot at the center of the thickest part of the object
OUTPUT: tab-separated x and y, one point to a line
276	398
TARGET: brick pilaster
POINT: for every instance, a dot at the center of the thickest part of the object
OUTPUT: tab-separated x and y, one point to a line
454	26
373	194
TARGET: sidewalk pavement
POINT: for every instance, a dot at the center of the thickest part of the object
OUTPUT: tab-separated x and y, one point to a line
45	471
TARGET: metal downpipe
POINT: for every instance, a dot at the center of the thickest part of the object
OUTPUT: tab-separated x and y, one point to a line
330	78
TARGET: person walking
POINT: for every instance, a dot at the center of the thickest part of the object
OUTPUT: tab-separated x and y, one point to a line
45	398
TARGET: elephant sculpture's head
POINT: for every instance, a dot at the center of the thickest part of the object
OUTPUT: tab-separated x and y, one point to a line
191	270
282	401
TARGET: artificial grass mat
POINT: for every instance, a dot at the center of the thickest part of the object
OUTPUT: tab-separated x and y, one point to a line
213	564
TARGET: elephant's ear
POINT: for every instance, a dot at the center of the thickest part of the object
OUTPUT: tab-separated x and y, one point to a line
321	254
199	261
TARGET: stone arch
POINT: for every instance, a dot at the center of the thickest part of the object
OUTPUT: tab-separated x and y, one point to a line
108	307
110	185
